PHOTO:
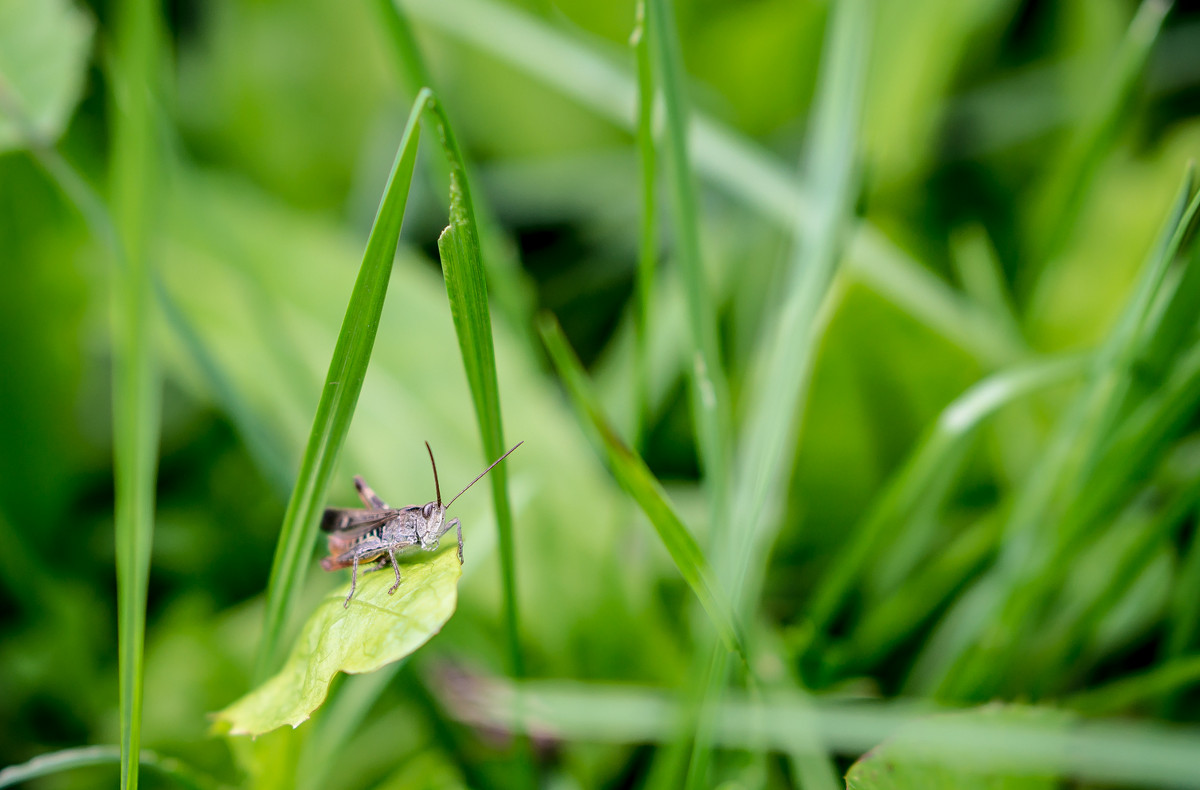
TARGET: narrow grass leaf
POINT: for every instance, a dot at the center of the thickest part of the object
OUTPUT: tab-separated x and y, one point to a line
343	384
1037	740
638	482
376	629
1165	681
1183	619
181	774
780	390
466	289
1057	209
648	241
710	390
136	387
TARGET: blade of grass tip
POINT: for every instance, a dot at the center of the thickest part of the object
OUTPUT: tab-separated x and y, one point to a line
648	246
511	289
347	369
1070	180
136	387
1168	328
88	756
637	480
726	158
710	390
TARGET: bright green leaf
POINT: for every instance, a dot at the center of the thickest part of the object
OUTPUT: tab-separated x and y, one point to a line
44	46
375	630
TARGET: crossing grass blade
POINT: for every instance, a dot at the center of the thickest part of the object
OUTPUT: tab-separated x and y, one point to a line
88	756
347	369
1106	752
711	411
136	386
648	242
631	472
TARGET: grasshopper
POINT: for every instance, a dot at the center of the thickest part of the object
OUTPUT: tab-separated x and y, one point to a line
380	532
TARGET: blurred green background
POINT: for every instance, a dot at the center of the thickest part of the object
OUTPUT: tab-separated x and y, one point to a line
1013	168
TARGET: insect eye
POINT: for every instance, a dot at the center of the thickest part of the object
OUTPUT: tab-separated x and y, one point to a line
428	510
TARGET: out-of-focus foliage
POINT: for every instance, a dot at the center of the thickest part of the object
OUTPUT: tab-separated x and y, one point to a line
1015	164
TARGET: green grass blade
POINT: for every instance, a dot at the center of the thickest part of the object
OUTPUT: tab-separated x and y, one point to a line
343	384
648	246
1106	752
136	387
710	390
781	388
639	483
1165	681
86	756
1056	212
1183	619
512	293
462	266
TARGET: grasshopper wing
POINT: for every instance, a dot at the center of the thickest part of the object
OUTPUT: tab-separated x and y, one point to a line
338	519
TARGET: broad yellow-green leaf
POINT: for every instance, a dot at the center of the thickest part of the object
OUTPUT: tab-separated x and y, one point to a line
376	629
44	47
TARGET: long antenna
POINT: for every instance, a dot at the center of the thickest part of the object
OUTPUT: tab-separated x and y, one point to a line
436	487
481	474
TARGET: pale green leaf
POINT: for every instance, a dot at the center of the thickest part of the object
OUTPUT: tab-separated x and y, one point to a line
44	46
375	630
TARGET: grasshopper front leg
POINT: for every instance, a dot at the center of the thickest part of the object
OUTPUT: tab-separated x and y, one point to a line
458	528
353	582
395	566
